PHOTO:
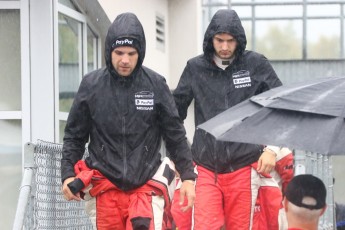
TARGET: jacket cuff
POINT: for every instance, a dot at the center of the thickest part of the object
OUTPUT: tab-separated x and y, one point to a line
76	186
67	175
188	176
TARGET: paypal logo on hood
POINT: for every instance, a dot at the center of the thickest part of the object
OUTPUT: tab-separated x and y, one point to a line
123	42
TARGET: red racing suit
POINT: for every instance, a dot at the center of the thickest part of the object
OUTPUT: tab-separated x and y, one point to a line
269	212
120	208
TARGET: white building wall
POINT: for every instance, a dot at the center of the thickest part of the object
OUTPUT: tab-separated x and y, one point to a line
42	71
185	43
185	35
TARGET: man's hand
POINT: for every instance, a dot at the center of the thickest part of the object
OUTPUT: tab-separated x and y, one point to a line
267	161
187	190
67	194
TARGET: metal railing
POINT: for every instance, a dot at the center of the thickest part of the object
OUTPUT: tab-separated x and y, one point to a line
41	204
320	166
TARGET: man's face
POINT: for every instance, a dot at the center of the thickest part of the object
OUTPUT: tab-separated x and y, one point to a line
224	45
124	60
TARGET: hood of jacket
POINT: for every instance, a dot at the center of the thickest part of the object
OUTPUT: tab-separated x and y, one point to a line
224	21
125	25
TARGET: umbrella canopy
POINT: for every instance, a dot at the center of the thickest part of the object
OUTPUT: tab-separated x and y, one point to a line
308	116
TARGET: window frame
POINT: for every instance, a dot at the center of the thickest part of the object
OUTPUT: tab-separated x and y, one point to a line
62	116
304	18
23	114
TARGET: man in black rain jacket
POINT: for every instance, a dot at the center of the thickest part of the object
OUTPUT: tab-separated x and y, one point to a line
124	111
223	76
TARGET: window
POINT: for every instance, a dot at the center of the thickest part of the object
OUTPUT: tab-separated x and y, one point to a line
78	54
10	111
70	65
92	50
288	29
10	79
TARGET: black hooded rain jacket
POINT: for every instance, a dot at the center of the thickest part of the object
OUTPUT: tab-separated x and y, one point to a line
125	119
214	90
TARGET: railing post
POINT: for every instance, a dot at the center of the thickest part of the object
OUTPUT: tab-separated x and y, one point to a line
25	188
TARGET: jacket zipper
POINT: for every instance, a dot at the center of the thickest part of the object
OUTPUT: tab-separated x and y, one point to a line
124	149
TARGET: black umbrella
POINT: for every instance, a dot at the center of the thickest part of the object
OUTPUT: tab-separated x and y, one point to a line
307	116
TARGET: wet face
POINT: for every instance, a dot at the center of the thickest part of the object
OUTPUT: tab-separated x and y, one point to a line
124	60
224	45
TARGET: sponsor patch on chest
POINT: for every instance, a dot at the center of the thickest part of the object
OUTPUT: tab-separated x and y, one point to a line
144	100
241	79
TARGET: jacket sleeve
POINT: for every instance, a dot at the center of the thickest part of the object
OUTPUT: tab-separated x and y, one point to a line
174	134
285	166
268	75
76	132
183	93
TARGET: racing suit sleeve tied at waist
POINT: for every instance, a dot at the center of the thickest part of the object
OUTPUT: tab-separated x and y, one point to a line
92	184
